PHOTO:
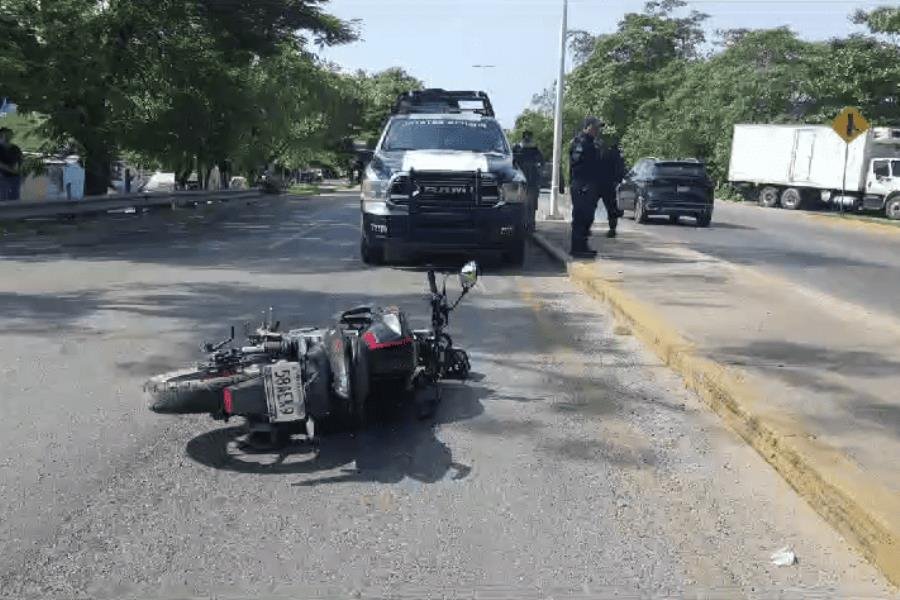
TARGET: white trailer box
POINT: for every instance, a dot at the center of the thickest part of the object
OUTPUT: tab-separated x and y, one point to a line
807	156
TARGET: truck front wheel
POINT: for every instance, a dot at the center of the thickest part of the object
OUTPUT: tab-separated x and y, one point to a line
791	198
370	255
892	207
768	196
515	254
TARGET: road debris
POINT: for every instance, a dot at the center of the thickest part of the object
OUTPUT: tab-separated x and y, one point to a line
784	557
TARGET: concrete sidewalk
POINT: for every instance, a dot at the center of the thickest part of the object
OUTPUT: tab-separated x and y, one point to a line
812	387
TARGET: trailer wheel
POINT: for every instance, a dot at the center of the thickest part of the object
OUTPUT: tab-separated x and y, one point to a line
768	196
791	199
892	207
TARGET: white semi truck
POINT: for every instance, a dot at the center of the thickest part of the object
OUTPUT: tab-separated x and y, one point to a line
798	165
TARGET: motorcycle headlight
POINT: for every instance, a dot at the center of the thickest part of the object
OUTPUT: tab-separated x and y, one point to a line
512	192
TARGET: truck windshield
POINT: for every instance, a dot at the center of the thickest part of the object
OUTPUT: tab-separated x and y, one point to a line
682	169
445	134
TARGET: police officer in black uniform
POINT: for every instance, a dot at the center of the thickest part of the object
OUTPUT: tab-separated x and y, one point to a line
612	172
528	157
596	168
584	174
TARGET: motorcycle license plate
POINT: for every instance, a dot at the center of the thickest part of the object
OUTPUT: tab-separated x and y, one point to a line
683	189
284	392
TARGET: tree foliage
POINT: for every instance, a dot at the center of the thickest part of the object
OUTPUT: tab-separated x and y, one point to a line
185	84
664	95
376	93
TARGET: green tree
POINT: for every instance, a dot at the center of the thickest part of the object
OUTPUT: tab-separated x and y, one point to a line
376	94
643	58
161	78
883	20
665	98
755	79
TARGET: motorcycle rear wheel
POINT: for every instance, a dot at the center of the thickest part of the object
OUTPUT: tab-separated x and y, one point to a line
190	391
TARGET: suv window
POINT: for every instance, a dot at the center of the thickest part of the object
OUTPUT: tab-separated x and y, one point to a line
679	169
445	134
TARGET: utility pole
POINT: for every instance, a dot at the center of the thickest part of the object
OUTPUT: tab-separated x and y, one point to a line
557	119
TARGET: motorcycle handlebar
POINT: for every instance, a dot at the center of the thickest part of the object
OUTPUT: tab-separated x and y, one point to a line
264	348
432	282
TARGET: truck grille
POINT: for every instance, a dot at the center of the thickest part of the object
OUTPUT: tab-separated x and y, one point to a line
445	188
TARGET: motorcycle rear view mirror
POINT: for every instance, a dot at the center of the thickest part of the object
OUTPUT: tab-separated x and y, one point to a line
468	275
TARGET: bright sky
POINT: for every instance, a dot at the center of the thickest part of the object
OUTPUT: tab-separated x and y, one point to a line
439	41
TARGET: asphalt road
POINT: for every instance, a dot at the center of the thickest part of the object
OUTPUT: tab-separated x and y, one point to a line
857	268
572	463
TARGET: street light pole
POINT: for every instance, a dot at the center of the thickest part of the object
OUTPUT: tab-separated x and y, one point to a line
557	119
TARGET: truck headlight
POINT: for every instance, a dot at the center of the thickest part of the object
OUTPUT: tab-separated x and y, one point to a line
373	193
512	192
373	189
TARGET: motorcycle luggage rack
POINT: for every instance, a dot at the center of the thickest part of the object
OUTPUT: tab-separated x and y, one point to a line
436	100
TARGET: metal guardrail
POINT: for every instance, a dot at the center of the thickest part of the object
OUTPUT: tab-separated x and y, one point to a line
29	209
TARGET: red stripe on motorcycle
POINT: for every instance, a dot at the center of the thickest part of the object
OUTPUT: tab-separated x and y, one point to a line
227	401
373	343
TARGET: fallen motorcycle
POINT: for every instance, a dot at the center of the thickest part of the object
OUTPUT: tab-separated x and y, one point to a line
285	382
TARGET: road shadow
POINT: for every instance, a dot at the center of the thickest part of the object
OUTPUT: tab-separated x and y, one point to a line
821	372
783	257
397	446
690	223
794	354
537	264
268	236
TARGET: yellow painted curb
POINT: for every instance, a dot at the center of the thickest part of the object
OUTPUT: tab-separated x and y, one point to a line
862	511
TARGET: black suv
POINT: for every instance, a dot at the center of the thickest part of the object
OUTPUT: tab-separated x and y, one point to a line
675	188
442	180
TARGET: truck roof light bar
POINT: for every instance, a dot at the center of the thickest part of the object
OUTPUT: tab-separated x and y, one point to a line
436	100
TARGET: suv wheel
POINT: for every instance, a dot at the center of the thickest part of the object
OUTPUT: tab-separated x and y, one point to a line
640	215
704	219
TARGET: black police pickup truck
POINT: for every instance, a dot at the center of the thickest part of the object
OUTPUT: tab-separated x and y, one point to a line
442	180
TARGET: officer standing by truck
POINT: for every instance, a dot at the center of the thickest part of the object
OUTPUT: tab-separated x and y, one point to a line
584	174
528	157
596	168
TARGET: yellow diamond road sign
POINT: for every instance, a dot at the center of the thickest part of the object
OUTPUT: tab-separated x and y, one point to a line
850	124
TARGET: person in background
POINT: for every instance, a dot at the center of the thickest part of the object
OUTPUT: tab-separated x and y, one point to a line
612	172
528	157
10	166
